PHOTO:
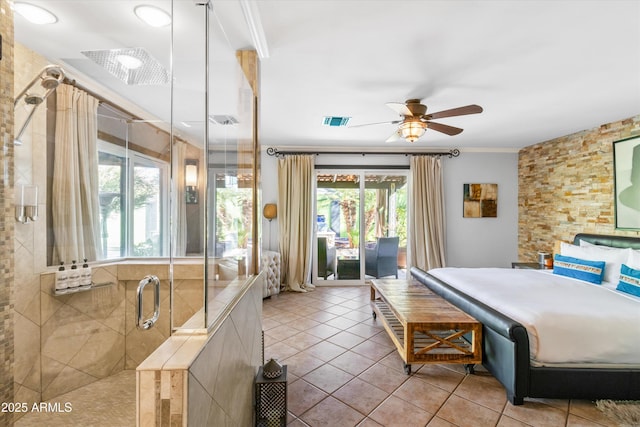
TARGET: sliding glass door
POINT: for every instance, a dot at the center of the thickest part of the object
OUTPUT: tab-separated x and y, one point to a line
360	229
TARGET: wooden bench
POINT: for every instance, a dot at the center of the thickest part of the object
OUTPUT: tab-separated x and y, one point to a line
424	327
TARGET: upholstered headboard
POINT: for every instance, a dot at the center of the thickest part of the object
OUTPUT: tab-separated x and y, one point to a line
613	241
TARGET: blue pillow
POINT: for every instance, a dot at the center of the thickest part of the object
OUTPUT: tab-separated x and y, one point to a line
629	281
589	271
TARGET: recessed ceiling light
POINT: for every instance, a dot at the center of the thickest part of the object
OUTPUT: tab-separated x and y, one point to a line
152	15
129	62
34	14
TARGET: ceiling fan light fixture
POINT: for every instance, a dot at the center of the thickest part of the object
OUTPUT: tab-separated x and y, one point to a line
411	130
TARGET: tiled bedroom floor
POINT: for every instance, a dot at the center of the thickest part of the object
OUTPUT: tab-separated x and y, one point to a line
343	370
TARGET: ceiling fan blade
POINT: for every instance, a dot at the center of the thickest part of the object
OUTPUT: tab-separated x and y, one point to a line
400	108
395	137
460	111
449	130
394	122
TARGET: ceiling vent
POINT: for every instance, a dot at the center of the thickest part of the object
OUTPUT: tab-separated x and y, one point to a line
335	121
223	119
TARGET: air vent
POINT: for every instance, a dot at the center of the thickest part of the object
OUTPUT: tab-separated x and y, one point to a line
223	119
335	121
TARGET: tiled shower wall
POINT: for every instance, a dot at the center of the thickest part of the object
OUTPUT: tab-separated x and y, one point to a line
86	336
30	258
6	215
566	187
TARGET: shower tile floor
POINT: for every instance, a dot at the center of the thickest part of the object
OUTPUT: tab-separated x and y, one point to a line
107	402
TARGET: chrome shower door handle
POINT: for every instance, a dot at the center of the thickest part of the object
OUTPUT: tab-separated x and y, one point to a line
147	324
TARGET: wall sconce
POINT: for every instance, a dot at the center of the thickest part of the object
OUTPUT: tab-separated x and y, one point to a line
191	181
26	203
270	211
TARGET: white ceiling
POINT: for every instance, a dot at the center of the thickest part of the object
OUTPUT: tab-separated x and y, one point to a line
540	69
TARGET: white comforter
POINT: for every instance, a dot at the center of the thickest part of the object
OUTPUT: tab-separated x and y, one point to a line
568	321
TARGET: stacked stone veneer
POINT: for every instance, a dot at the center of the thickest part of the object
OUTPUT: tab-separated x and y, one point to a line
6	214
566	186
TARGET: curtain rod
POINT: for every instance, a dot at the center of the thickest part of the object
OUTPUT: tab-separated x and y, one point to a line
118	109
454	152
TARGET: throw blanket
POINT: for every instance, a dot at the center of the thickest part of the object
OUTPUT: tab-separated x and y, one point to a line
567	320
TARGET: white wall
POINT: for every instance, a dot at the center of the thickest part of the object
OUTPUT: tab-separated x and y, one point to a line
471	242
482	242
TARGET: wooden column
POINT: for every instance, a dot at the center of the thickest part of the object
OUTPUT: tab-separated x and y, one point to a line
249	62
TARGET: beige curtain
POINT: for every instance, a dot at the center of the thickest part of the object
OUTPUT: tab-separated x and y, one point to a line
382	200
179	204
295	209
75	198
426	216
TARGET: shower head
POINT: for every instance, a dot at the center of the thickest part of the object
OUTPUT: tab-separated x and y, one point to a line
50	78
33	99
49	82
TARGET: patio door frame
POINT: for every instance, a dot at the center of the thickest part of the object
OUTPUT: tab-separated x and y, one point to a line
361	172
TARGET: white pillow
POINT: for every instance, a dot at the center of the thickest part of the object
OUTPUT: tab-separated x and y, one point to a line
634	259
613	257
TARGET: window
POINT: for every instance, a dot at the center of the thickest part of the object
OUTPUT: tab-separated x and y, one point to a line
133	203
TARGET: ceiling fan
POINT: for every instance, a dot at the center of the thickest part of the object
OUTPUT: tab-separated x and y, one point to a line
415	120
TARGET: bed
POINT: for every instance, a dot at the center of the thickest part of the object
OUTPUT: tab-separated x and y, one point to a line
577	362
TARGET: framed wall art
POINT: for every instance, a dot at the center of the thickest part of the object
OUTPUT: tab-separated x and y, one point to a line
480	200
626	178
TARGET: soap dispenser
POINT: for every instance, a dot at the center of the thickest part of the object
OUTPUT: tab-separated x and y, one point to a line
74	277
62	280
85	276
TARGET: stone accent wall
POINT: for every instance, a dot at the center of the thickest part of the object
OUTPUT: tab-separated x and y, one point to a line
6	213
565	186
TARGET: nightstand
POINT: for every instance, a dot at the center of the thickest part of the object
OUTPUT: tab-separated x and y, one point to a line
530	265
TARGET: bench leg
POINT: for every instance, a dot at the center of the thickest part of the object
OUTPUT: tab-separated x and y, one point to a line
469	368
407	369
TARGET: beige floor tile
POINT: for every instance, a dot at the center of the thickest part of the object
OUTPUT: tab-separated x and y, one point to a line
361	395
383	377
346	339
440	376
588	410
352	363
486	391
279	351
422	394
283	332
510	422
398	412
301	363
301	396
537	414
304	324
332	412
373	350
368	422
323	331
465	413
341	322
358	315
576	421
302	340
365	331
328	378
325	351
